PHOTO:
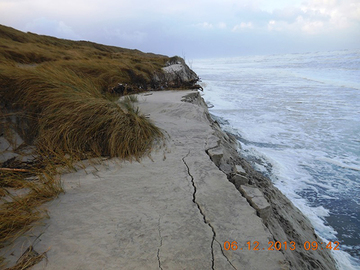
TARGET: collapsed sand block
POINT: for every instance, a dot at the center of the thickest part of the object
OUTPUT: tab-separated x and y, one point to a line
239	180
239	170
4	156
5	145
212	142
10	141
6	150
257	200
216	155
225	168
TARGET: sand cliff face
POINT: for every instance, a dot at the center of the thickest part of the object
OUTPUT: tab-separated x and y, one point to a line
285	222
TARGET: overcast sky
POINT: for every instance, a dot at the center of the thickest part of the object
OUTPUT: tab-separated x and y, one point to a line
194	28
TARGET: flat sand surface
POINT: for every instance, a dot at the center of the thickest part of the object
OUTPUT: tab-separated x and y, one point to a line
173	210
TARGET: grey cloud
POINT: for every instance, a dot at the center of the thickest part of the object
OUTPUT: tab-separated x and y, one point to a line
52	27
174	28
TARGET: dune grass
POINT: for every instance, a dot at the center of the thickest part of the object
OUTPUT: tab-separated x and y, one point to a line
28	259
61	90
72	114
106	64
17	212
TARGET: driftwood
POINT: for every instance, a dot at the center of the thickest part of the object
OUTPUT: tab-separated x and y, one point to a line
14	170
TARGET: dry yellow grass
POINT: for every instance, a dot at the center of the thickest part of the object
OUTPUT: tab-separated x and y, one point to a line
73	116
61	89
18	210
28	259
107	64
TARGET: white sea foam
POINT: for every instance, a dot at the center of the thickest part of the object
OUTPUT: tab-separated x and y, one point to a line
340	163
298	120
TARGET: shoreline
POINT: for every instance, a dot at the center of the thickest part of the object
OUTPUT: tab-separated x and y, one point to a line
284	220
175	209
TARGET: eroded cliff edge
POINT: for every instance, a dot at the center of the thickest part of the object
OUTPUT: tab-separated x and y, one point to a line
173	210
285	222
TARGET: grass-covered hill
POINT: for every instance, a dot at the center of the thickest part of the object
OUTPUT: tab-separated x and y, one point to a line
62	92
109	65
59	104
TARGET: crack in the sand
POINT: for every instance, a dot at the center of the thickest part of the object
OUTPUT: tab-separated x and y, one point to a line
201	212
158	252
210	148
204	218
222	252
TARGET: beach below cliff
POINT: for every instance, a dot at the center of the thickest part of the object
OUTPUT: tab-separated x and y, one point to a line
193	203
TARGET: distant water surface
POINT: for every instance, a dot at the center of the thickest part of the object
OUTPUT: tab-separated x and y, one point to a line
297	117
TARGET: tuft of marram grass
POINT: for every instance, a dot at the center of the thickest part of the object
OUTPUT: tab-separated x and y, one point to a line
133	98
72	115
97	126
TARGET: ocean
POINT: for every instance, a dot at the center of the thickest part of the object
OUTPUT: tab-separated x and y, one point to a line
297	118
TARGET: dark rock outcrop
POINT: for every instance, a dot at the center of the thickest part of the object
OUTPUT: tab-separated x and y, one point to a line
176	74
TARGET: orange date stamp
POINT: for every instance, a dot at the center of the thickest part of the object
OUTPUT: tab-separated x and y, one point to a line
272	245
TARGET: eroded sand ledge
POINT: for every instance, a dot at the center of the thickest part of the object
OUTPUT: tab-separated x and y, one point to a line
176	209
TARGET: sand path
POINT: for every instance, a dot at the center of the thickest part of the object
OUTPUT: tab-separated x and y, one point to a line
173	211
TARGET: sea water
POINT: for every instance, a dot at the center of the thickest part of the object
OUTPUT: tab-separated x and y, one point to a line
297	118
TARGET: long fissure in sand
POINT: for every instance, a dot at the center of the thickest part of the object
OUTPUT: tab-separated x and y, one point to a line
201	212
158	252
204	218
